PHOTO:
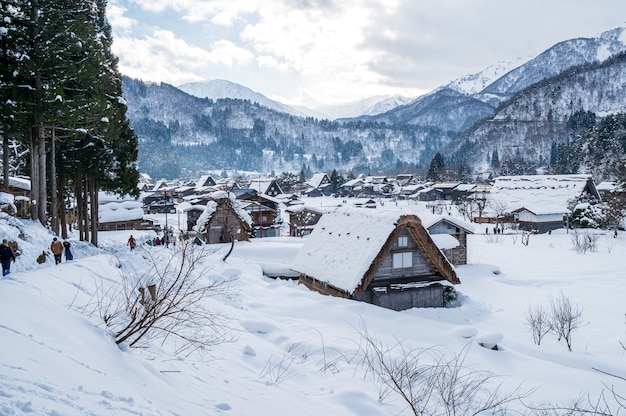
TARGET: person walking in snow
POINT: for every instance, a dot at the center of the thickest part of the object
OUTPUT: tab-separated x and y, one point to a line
67	250
132	243
6	257
57	249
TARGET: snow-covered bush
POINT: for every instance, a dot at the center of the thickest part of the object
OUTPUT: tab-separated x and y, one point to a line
586	215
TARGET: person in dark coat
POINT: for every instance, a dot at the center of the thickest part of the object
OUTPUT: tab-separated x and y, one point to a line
6	257
67	250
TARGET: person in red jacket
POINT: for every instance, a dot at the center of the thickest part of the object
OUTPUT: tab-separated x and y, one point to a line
132	243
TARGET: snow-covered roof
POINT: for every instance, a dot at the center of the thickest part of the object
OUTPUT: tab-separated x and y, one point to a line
606	186
428	220
316	179
261	185
538	192
544	209
445	241
465	187
203	181
299	208
344	244
19	183
108	197
6	198
211	207
352	183
116	208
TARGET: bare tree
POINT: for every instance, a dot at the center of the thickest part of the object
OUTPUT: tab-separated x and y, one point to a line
430	382
168	303
566	318
500	208
539	322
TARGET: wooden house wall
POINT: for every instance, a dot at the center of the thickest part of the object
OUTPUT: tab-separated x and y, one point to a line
192	218
121	225
457	255
420	267
405	298
223	220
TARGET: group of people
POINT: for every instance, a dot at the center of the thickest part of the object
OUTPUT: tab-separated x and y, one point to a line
156	241
7	255
59	248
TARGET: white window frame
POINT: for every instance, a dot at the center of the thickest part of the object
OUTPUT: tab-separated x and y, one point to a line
403	241
402	260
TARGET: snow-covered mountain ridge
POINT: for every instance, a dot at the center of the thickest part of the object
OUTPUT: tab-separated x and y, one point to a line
253	136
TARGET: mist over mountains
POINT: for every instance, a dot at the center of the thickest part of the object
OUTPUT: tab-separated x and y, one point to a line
518	109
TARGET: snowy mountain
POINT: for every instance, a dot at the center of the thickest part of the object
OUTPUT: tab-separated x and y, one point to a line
219	88
369	106
251	135
558	112
179	132
475	83
563	55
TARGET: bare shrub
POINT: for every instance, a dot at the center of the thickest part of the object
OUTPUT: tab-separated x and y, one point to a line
431	382
278	370
539	322
168	303
607	403
566	317
585	242
494	238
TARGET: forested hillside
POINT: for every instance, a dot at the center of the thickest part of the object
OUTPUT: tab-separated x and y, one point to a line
180	133
570	123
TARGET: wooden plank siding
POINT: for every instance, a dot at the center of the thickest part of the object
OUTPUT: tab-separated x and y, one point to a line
419	268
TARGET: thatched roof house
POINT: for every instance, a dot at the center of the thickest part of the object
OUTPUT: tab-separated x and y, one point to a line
223	220
380	257
539	202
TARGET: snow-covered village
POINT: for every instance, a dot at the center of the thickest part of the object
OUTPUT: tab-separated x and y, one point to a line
349	305
173	243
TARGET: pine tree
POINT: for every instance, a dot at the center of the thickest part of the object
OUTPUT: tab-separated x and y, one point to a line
436	168
71	112
495	159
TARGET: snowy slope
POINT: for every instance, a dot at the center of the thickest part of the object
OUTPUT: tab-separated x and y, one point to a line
296	351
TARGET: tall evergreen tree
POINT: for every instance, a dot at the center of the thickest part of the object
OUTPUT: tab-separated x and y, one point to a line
73	94
436	169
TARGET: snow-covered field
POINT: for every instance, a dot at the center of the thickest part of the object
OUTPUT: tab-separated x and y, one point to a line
295	351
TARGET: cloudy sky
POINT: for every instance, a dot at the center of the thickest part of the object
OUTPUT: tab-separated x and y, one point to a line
309	52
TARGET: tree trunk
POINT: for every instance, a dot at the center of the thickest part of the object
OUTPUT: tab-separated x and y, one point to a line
41	160
61	210
34	175
5	160
54	201
93	199
80	215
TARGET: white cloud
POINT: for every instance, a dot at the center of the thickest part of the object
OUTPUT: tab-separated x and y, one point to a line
115	15
227	53
343	50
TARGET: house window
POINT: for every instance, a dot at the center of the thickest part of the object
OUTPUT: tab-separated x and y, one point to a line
403	241
402	260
